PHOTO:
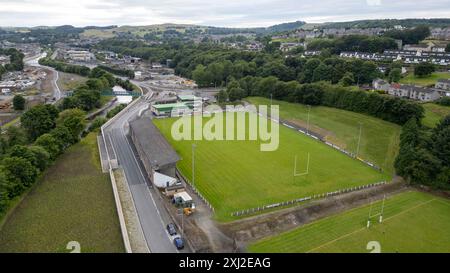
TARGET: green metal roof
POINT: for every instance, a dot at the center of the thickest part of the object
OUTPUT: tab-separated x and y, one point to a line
188	97
169	106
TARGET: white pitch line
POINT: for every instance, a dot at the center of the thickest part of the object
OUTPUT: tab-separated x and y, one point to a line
364	228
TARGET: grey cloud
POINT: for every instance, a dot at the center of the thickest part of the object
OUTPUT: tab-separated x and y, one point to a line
227	13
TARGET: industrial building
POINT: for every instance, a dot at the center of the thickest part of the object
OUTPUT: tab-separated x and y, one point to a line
176	106
170	109
79	55
154	151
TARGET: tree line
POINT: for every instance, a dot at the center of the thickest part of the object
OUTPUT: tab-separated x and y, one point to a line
45	132
424	157
362	43
118	71
393	109
67	68
305	70
26	151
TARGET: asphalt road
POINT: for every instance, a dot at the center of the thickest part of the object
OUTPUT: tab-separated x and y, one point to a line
34	61
152	215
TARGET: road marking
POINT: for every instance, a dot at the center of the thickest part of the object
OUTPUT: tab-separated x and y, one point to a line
121	128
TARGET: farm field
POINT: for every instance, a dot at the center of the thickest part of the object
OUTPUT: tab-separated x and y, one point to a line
434	113
236	175
425	81
73	201
379	138
413	222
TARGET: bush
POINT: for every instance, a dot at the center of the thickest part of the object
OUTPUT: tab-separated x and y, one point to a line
97	123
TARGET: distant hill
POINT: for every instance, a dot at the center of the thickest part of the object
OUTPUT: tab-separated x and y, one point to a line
388	23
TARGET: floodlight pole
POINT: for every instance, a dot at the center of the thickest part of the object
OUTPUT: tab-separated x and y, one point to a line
309	112
193	165
271	99
359	139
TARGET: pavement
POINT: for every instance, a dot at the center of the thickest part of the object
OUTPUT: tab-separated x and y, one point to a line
152	214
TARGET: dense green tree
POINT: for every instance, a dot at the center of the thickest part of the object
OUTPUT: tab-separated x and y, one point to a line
222	96
23	152
395	75
74	120
410	36
85	99
236	93
440	140
16	136
348	79
447	48
19	103
5	188
21	172
50	144
322	73
410	135
39	120
423	168
424	69
42	157
201	76
63	137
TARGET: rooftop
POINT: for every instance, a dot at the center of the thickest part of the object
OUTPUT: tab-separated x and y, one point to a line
188	97
155	147
170	105
444	81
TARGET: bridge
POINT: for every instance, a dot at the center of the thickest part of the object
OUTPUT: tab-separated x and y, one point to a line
110	93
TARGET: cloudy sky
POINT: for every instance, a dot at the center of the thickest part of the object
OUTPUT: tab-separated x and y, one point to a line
230	13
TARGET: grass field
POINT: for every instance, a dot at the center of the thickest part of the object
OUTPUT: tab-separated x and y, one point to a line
72	202
68	81
426	81
413	222
434	113
379	138
236	175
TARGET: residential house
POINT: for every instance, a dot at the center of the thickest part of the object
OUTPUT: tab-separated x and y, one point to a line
443	84
414	92
380	84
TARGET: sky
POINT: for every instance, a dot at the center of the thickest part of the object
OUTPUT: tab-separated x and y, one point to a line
226	13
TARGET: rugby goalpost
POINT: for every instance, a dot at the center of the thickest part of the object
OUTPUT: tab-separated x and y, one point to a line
307	166
379	215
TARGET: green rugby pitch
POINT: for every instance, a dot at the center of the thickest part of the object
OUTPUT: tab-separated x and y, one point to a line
413	222
236	175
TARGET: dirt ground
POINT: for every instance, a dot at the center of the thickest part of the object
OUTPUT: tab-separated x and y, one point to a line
46	84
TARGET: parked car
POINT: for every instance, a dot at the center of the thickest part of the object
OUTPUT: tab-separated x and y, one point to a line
179	243
171	229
